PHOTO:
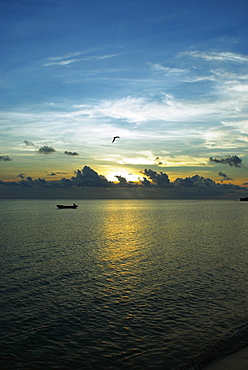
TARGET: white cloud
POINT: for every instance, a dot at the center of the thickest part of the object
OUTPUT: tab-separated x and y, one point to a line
140	110
242	88
224	138
229	76
68	56
200	78
167	70
184	160
218	56
61	62
241	126
67	59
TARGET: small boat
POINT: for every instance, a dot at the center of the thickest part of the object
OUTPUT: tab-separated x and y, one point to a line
60	206
244	199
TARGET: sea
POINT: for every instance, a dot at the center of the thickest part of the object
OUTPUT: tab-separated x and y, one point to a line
122	284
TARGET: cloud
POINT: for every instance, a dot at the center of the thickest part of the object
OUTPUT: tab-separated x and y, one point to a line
167	70
140	110
240	126
219	56
194	187
200	78
88	177
62	62
158	161
231	160
52	174
22	175
122	180
75	57
5	158
160	179
195	181
225	177
71	153
145	182
46	150
28	143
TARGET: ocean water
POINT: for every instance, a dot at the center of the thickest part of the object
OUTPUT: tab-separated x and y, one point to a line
122	284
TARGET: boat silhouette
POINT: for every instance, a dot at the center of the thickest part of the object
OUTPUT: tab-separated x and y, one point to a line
61	206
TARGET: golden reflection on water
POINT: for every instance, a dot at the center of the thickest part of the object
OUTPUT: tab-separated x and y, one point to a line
121	232
121	253
131	235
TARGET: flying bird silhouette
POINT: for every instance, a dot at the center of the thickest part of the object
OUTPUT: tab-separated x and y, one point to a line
115	137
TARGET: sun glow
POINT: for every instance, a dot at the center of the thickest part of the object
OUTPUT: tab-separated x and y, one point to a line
111	176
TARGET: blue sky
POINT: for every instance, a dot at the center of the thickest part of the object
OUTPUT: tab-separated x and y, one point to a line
169	77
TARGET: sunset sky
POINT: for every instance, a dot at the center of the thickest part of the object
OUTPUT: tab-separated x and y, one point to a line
169	77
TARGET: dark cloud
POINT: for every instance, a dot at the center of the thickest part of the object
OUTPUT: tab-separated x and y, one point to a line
160	179
5	158
55	173
89	177
152	185
28	143
84	177
194	181
22	175
46	150
70	153
122	180
158	161
27	182
146	183
231	160
225	177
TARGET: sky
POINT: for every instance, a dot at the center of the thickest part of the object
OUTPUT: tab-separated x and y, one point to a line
170	78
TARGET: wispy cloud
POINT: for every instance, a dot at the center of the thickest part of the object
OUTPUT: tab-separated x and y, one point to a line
139	110
159	67
241	126
229	76
75	57
218	56
200	78
67	56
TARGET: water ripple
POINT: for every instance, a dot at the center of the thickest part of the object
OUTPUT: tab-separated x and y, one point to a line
141	284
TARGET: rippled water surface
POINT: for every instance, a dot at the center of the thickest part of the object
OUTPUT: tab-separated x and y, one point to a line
124	284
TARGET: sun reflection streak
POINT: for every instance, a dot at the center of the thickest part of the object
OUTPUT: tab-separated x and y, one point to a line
121	234
122	253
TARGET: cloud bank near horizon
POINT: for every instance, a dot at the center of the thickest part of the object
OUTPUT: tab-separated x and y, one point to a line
194	186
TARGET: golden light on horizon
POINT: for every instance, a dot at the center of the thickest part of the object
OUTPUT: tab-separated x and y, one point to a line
111	176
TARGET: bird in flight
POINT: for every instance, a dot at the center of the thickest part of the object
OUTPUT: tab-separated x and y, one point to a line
115	137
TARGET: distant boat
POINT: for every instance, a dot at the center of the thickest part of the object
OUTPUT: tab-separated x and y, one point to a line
244	199
60	206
